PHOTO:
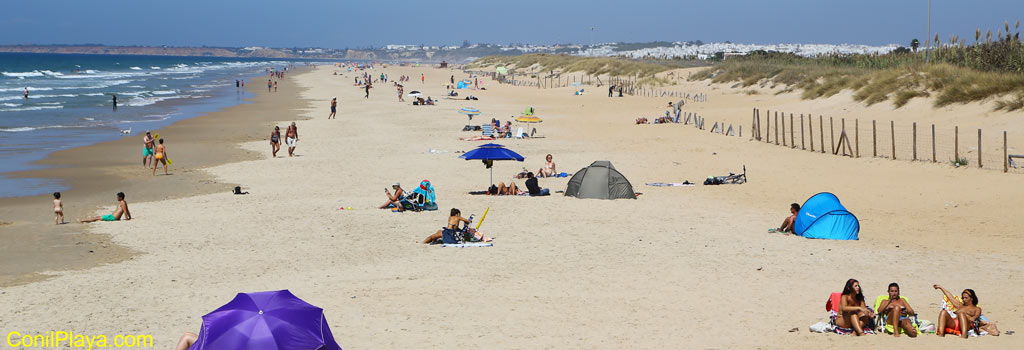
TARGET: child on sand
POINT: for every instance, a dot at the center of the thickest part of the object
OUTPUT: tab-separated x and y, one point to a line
58	209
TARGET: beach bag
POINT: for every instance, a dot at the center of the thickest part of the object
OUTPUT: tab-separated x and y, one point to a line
450	236
238	190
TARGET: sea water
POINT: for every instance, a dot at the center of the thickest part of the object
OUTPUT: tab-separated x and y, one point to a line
70	97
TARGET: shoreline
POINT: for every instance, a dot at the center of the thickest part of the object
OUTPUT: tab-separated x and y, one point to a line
94	173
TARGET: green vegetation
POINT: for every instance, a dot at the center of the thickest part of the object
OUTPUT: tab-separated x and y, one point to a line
614	66
956	73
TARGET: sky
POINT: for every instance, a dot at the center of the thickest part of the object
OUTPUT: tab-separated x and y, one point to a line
373	23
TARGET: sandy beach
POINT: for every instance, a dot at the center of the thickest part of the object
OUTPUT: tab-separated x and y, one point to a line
680	267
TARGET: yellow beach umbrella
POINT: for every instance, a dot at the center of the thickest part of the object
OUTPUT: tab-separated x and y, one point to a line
529	119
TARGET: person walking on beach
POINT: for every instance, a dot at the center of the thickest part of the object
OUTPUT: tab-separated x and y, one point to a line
147	149
237	86
122	210
58	209
423	79
269	85
611	90
160	157
334	108
401	91
367	91
275	141
275	86
291	136
453	80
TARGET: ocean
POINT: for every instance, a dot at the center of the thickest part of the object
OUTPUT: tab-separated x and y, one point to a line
70	97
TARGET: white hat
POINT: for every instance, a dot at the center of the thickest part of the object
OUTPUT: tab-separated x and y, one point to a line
396	185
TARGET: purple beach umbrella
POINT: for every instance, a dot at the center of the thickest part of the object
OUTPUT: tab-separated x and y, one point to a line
276	320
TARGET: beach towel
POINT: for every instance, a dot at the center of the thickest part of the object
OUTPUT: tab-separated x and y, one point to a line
465	245
671	184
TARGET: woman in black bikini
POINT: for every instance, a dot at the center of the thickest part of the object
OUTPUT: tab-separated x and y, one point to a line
453	226
275	140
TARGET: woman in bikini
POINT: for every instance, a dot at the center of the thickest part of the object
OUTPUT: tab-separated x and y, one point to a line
549	168
161	156
454	219
899	312
275	140
959	313
853	312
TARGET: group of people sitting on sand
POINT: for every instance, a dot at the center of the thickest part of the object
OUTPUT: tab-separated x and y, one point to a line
960	315
665	119
532	187
421	102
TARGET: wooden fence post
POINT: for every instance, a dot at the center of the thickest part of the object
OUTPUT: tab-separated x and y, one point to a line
874	140
915	141
753	122
803	144
856	136
832	135
792	132
776	127
979	148
956	143
784	128
1006	166
810	128
892	130
821	130
933	143
768	133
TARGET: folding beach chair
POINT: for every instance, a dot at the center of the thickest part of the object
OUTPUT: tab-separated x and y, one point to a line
487	130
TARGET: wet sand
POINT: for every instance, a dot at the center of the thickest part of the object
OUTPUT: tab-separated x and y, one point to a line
34	247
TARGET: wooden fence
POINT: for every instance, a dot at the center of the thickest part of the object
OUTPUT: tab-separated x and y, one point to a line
553	80
910	142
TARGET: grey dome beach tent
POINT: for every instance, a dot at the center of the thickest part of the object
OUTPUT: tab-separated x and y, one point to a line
600	180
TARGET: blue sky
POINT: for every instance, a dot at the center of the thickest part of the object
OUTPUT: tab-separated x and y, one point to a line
341	24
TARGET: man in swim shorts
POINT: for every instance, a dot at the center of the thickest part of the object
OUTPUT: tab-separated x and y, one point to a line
334	108
787	224
291	136
147	149
122	209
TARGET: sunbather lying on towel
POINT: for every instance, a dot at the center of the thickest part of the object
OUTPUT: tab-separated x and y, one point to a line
854	315
787	224
641	120
502	190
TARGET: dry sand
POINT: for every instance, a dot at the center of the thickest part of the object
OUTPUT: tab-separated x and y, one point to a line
682	267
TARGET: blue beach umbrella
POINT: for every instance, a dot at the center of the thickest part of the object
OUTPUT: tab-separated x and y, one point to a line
470	111
491	152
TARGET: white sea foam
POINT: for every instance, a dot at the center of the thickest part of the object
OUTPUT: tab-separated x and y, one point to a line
164	92
23	74
154	67
11	104
135	68
12	98
146	101
32	108
19	129
30	89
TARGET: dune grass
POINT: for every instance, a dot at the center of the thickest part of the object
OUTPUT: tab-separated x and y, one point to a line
644	70
949	84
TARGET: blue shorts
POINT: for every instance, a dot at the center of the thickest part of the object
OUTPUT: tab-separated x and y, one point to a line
146	151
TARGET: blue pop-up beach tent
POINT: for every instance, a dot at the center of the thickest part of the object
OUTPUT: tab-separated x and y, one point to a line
822	216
